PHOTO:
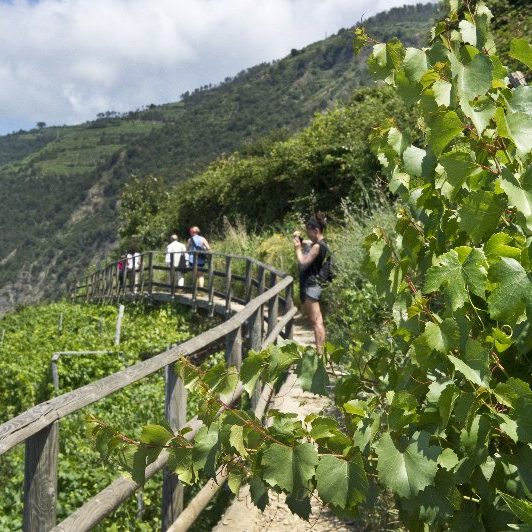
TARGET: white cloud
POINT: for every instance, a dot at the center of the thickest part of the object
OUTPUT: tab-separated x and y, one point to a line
63	61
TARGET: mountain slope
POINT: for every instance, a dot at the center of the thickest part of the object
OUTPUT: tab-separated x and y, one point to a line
61	183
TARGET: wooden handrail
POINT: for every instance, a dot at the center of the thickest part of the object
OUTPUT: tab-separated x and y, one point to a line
38	426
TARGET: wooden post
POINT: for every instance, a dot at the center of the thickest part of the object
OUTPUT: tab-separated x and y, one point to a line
247	281
40	480
233	348
227	287
289	330
150	273
195	283
255	343
211	285
273	305
175	407
118	329
141	280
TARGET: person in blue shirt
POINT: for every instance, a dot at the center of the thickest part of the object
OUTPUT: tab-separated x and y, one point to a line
196	242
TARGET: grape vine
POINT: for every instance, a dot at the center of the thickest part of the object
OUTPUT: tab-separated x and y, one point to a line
447	422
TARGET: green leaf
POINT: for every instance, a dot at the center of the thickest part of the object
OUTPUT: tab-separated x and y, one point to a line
259	493
300	507
477	358
523	407
312	373
342	483
290	468
418	162
519	507
469	373
480	214
406	473
444	337
448	459
460	270
519	195
205	449
415	63
155	435
520	131
521	50
443	129
513	288
480	112
324	427
397	140
521	100
458	166
140	462
442	92
236	439
510	391
446	403
474	79
250	371
234	481
180	462
497	247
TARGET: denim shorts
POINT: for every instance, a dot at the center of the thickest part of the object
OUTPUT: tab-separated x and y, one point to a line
313	292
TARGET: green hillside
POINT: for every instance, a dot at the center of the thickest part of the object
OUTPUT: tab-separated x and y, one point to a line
62	182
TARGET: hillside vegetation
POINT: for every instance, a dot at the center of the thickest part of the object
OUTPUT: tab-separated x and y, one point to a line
62	182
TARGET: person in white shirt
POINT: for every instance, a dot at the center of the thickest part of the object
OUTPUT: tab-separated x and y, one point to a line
175	251
134	263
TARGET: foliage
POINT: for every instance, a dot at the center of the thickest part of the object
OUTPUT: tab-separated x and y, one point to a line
442	416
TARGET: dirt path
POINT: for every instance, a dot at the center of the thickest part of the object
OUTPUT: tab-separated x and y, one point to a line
243	515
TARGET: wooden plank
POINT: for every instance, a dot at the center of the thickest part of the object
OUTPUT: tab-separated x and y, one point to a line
33	420
273	305
40	479
150	272
233	348
289	331
210	287
248	280
228	286
175	408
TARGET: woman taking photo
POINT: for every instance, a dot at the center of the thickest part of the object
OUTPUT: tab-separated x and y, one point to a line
310	265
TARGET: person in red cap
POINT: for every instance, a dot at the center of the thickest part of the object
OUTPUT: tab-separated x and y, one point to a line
196	242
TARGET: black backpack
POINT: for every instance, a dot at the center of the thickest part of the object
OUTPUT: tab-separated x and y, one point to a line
328	268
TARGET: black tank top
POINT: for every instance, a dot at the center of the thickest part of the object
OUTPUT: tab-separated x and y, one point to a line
309	276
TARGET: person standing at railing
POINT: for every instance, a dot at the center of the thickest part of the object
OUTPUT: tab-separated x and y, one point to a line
196	242
175	254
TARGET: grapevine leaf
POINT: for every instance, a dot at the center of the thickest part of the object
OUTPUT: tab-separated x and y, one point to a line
519	195
521	50
510	391
474	79
480	113
155	435
444	337
342	483
519	507
180	462
469	373
312	373
234	481
324	427
290	468
205	449
468	31
398	140
458	166
236	439
508	299
458	270
480	214
250	371
300	507
138	471
442	92
259	493
415	63
523	407
446	403
443	129
418	162
521	100
520	131
508	426
386	57
497	247
408	472
448	459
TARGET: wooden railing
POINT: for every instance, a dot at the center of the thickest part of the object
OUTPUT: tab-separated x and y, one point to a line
255	301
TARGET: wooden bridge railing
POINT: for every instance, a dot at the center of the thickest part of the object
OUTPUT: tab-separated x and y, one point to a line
255	301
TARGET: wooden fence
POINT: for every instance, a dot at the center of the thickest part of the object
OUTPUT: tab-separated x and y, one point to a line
255	302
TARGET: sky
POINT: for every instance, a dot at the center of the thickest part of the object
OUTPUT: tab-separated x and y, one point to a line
65	61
